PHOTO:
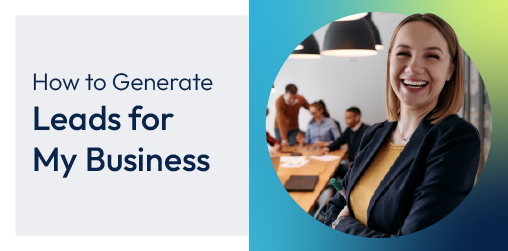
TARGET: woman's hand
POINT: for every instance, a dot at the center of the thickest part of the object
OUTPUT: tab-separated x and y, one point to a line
342	215
321	143
344	212
324	151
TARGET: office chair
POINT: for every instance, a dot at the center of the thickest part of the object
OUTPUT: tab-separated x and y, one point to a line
321	203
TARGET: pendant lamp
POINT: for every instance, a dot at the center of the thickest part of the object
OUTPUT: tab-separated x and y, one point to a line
349	39
379	45
353	17
307	49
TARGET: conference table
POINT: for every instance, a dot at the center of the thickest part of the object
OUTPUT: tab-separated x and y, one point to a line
324	169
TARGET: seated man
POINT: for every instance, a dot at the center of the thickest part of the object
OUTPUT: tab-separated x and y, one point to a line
352	135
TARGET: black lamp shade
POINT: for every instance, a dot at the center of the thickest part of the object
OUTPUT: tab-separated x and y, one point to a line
379	45
309	48
349	39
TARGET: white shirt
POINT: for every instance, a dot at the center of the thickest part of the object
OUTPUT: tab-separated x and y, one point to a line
357	126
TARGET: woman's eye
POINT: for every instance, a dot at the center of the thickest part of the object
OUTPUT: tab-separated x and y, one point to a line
434	56
403	54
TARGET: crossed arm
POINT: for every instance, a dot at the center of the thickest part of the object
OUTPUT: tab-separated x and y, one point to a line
449	177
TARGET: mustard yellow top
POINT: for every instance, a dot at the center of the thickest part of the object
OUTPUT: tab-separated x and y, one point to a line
364	189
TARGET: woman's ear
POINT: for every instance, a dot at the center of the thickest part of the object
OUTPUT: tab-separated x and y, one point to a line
451	69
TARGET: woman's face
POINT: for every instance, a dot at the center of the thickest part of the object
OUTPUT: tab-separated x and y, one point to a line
419	64
316	113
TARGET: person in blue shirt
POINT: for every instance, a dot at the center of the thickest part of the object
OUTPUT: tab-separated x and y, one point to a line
322	129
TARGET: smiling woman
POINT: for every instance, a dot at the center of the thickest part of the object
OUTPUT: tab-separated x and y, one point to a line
420	63
418	166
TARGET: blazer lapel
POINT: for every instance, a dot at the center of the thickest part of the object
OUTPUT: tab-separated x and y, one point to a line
404	160
370	152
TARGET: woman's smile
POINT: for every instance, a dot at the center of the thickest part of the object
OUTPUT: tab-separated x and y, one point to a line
414	85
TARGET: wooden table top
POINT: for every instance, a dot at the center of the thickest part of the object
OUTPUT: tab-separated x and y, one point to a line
325	171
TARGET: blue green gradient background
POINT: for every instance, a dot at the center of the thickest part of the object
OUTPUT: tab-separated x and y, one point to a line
278	223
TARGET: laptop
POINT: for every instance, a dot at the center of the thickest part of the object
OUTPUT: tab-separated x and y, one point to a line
301	183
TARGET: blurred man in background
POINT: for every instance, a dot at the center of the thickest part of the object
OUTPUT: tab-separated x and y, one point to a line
286	118
352	135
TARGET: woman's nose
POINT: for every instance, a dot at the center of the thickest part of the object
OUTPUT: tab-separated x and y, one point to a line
415	66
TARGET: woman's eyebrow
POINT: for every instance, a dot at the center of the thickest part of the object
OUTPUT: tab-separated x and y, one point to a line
434	48
404	46
426	49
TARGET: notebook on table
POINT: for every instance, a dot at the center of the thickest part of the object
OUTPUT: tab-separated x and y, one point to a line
301	183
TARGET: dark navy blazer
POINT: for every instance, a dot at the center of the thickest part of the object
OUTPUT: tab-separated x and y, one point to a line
429	179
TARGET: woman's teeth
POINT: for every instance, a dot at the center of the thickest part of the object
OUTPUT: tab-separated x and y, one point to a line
415	84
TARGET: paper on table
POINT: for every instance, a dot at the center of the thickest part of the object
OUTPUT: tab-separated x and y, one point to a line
292	158
294	164
325	157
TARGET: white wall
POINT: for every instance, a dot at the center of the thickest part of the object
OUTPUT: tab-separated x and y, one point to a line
340	82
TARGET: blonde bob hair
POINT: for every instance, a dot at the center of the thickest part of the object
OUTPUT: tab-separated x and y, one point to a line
451	97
